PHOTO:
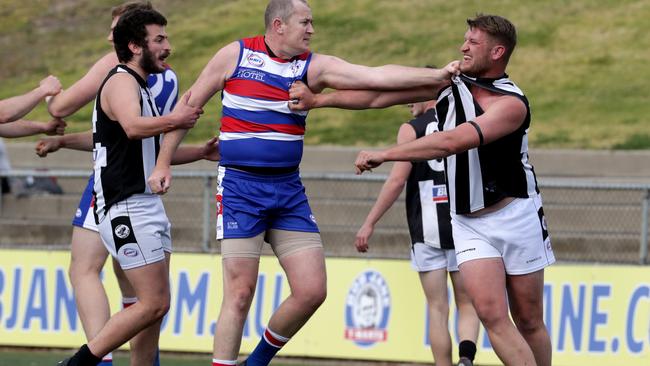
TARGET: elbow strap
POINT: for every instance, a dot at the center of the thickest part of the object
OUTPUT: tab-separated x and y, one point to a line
478	131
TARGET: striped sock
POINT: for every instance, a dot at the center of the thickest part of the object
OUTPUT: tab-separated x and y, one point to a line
269	345
216	362
107	360
128	301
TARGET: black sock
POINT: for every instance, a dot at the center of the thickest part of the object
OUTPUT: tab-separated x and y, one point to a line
467	349
84	357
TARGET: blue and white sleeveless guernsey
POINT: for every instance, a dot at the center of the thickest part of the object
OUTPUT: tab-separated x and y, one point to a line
164	88
257	127
483	176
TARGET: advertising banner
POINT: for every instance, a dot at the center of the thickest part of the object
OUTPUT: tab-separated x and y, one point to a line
375	309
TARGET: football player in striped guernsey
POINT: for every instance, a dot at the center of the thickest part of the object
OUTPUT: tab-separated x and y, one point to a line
499	230
88	254
260	196
127	129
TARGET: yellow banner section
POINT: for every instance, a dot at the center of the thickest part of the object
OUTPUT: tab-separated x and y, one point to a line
375	310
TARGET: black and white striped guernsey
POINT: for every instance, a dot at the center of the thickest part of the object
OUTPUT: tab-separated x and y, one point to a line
122	165
427	205
483	176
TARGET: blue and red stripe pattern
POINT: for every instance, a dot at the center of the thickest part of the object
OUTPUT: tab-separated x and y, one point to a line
257	127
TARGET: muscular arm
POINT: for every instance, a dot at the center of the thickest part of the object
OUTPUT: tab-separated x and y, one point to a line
500	119
120	99
84	90
389	193
14	108
333	72
356	99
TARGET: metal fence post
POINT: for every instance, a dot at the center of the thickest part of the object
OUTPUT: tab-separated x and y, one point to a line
643	248
207	193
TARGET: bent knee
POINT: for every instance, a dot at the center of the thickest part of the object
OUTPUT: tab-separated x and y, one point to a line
156	309
313	297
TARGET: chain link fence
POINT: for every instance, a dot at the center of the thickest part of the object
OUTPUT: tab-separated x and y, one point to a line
588	221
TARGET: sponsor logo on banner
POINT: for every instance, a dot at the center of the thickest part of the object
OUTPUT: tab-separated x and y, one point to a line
367	309
440	193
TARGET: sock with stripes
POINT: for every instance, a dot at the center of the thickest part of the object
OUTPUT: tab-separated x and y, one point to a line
126	302
269	345
107	360
216	362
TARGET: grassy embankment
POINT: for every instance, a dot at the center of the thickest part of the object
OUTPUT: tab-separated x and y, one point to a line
583	64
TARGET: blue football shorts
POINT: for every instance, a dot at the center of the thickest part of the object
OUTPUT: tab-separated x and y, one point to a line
249	204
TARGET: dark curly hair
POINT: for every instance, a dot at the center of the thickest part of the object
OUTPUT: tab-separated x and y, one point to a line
132	27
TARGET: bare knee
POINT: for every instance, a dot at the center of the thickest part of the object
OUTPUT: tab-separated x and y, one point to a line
240	298
491	313
81	271
311	298
529	324
155	308
440	308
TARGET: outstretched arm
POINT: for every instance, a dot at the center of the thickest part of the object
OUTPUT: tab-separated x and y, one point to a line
21	128
188	154
500	119
302	98
84	90
82	141
389	193
211	80
14	108
332	72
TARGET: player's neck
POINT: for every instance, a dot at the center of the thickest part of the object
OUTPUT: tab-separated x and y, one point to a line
135	66
275	46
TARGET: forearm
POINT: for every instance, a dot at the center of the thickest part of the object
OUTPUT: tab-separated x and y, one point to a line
433	146
187	154
389	193
14	108
364	99
21	128
404	77
143	127
82	141
169	146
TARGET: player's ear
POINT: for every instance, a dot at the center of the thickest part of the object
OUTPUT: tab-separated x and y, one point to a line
278	25
497	52
135	49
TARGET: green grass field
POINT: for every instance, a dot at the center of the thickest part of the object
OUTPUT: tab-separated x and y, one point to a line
29	357
583	63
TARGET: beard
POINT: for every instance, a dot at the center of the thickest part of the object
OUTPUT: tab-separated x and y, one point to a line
477	68
148	62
